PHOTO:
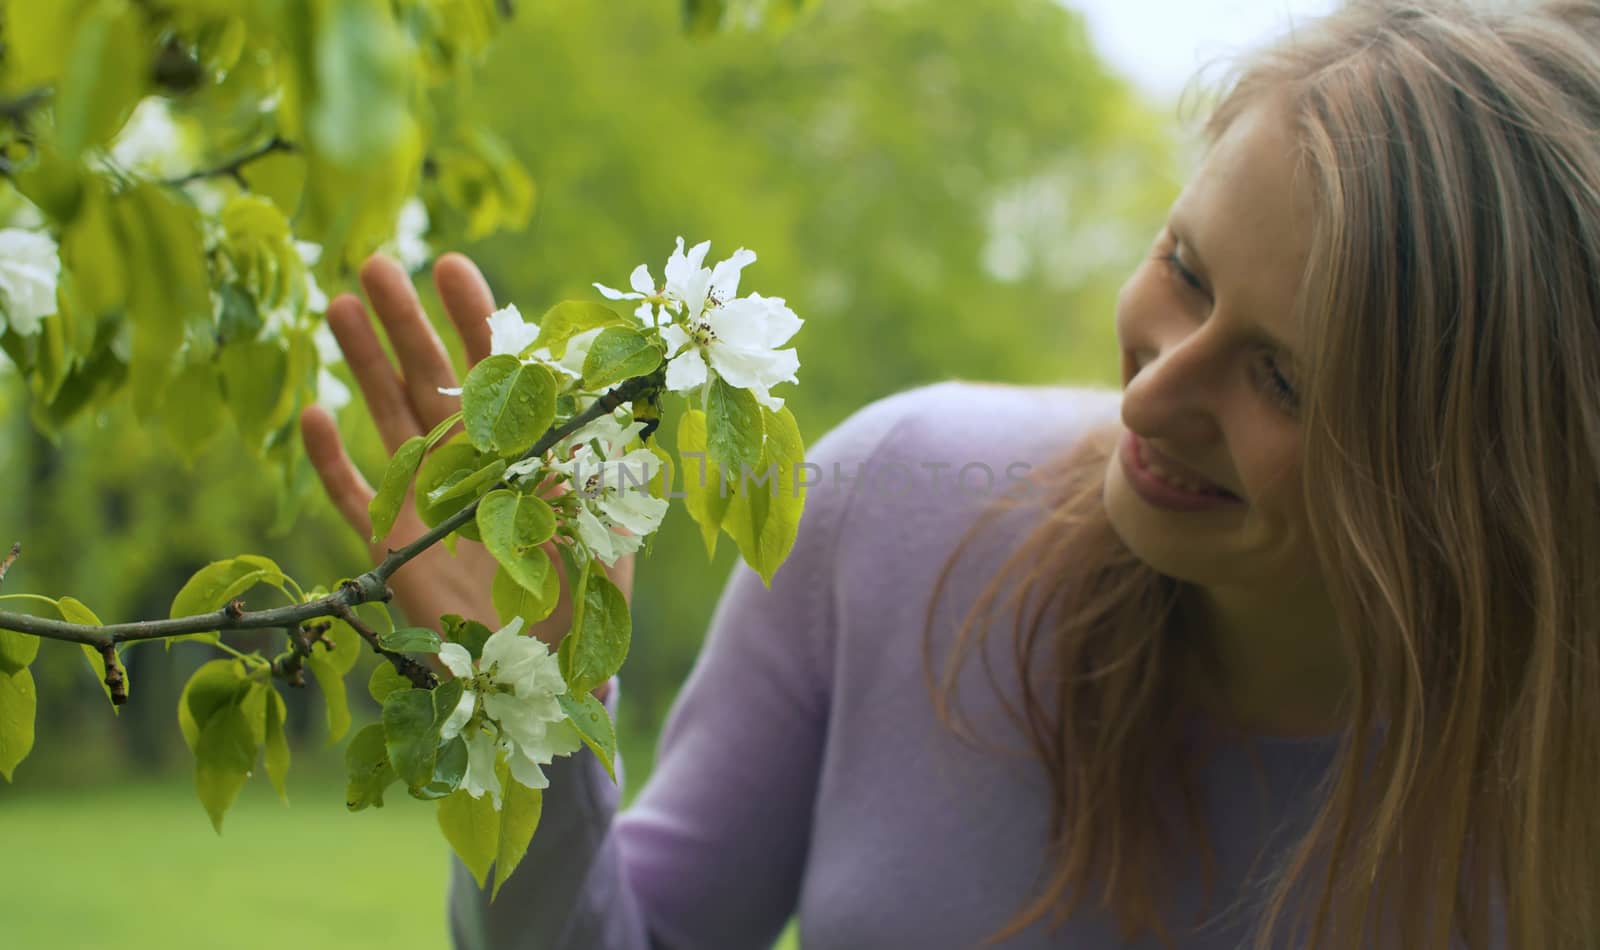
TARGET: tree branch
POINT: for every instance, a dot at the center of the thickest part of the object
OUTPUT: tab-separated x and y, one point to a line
365	588
11	558
234	168
17	109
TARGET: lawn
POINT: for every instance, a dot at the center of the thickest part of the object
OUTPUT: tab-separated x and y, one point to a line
137	867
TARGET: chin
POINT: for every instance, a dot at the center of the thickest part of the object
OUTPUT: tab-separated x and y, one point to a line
1152	539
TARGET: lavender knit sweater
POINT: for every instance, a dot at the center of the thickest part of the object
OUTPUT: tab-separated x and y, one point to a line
802	770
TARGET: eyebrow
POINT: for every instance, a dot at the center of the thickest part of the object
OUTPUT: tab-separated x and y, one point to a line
1198	264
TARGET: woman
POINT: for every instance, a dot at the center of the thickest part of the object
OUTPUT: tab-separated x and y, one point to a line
1301	627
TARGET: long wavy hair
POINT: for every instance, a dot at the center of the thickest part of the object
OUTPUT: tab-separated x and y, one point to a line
1451	445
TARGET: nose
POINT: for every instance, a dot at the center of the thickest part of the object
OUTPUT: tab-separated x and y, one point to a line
1168	385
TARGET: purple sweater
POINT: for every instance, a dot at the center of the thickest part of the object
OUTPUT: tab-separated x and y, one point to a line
802	770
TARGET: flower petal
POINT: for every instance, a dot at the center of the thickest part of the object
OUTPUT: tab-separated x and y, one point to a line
459	716
611	294
456	659
725	276
509	333
641	281
686	371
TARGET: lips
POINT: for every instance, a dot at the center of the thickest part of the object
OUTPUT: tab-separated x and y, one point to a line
1177	473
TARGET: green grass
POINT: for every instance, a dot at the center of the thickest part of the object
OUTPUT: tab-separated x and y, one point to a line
131	867
137	867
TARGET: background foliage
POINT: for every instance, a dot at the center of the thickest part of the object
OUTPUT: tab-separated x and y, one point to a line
941	190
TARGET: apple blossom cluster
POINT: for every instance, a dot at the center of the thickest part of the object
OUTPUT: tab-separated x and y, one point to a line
704	328
706	325
509	707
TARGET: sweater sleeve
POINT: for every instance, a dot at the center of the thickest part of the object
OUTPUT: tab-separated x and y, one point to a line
711	853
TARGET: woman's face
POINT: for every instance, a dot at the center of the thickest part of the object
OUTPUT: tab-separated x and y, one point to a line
1210	389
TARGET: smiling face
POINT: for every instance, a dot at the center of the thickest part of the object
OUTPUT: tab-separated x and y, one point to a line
1207	330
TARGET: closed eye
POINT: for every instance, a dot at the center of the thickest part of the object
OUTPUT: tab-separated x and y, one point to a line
1175	266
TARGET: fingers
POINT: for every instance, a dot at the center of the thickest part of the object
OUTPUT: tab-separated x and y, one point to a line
348	491
467	299
424	364
380	386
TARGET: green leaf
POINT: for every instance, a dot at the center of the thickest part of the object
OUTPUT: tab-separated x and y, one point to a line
513	526
366	762
511	599
733	428
258	385
18	706
17	650
277	743
593	650
223	758
105	75
385	505
331	681
467	485
473	829
214	686
411	640
342	657
594	726
215	585
764	521
455	455
469	633
507	405
449	768
704	497
520	807
194	409
385	680
568	319
169	286
411	734
445	425
618	353
73	610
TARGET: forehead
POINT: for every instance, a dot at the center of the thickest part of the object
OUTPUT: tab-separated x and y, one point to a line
1247	214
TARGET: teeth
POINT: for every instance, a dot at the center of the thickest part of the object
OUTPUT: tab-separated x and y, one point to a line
1177	480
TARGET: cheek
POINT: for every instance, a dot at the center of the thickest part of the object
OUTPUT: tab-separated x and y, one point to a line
1269	465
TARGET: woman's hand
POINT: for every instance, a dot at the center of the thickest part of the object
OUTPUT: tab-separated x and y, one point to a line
407	402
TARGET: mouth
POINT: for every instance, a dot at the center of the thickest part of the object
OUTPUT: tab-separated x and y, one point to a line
1174	476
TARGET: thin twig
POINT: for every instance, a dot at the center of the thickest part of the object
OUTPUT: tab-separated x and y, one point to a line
234	168
116	681
420	676
365	588
17	109
5	565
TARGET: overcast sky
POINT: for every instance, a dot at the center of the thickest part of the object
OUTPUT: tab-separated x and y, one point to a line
1160	43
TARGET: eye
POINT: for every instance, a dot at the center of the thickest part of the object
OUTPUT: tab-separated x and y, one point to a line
1276	385
1176	267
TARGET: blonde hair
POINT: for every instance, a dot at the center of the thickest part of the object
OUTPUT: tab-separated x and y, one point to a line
1451	436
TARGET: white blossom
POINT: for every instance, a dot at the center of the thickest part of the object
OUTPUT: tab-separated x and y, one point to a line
509	333
151	143
509	706
614	493
739	340
29	269
408	245
332	393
